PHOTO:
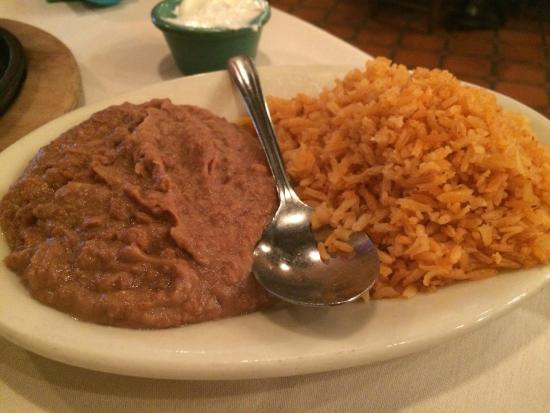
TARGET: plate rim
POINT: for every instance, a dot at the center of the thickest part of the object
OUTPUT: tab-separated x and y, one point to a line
201	370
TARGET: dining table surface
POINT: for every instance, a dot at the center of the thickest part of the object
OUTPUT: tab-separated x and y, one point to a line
503	366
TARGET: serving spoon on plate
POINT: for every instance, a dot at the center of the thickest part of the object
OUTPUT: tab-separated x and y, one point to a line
287	262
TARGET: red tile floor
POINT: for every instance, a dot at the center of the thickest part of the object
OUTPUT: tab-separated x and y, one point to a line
513	58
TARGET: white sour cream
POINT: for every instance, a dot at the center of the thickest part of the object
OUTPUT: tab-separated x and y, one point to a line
226	14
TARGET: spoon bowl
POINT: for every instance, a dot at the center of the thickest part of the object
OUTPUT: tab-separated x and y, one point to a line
287	261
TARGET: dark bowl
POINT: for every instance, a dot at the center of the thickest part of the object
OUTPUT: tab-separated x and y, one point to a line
12	68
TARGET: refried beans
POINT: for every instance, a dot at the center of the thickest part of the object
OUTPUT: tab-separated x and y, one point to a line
142	216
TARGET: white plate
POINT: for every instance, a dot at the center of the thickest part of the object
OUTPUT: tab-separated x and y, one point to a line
279	342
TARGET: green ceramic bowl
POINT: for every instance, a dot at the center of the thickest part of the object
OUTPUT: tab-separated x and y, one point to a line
197	50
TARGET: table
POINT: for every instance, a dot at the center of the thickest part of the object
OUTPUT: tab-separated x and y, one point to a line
118	49
503	367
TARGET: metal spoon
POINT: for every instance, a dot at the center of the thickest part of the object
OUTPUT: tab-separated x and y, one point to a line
286	259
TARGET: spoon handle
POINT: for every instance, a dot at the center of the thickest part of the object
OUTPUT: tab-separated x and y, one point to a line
244	76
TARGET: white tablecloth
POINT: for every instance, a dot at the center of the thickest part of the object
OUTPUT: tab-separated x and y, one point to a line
502	367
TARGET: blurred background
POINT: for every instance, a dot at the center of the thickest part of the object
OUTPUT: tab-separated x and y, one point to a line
500	44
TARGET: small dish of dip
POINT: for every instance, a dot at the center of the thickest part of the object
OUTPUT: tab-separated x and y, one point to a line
203	34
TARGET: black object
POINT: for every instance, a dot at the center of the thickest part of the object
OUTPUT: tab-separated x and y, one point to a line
12	68
480	14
